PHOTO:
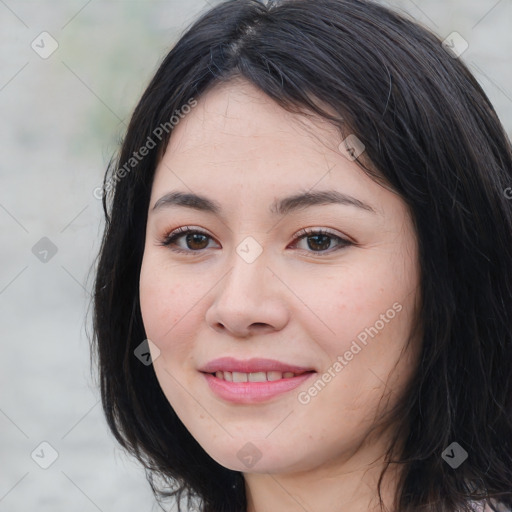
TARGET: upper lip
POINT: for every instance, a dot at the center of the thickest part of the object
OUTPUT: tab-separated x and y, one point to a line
230	364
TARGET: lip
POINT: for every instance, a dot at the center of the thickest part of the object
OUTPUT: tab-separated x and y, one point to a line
253	392
230	364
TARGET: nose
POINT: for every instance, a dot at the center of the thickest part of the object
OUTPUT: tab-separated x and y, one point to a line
250	299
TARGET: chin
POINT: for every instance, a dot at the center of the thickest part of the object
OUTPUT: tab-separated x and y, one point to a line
255	457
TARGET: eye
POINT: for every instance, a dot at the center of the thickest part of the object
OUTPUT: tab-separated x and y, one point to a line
195	240
319	240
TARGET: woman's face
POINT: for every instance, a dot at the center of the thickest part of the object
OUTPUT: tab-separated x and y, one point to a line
334	308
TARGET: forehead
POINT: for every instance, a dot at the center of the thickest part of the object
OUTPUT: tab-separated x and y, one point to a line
242	150
238	109
236	128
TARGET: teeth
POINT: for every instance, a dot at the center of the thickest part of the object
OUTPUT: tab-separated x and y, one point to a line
239	377
274	375
253	377
257	377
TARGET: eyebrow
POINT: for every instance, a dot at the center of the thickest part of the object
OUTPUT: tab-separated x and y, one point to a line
279	207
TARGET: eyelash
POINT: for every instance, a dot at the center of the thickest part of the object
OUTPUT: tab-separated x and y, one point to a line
169	239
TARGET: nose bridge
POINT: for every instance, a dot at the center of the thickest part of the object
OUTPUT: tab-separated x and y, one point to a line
248	267
247	295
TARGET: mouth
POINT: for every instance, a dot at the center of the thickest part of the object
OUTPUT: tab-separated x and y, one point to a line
255	367
253	381
271	376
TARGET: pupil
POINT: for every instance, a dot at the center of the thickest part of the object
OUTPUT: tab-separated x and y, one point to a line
191	240
325	237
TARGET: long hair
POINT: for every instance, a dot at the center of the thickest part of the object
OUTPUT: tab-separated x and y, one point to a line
432	136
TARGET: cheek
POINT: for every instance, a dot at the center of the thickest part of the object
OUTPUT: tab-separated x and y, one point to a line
355	300
164	304
370	318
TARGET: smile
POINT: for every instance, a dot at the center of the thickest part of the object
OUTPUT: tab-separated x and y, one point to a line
253	388
254	377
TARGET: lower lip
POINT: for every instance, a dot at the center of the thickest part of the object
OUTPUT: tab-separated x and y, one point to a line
253	392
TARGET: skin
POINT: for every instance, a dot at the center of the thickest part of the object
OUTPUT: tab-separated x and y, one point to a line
298	302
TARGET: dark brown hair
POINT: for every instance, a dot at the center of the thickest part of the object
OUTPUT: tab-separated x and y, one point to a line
435	139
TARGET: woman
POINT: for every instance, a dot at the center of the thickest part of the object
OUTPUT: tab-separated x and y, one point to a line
309	237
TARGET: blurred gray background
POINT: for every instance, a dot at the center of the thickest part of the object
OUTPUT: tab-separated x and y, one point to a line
63	110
